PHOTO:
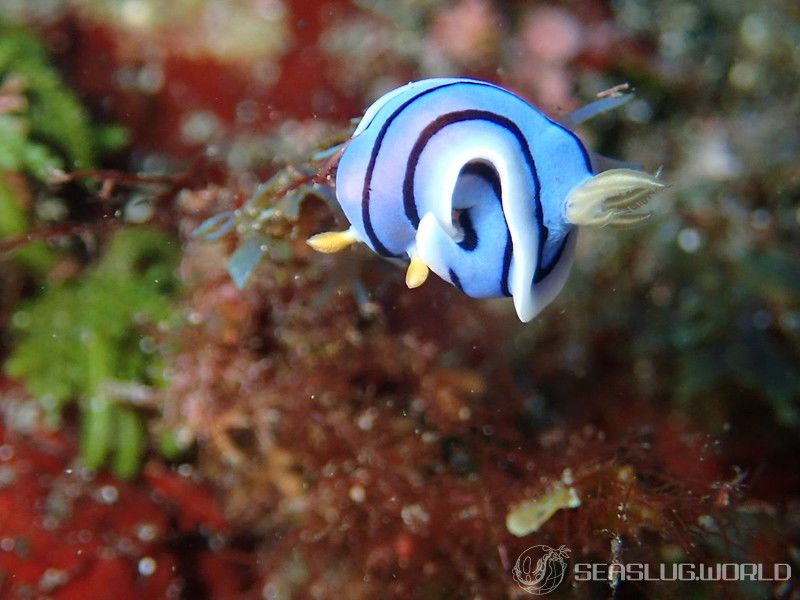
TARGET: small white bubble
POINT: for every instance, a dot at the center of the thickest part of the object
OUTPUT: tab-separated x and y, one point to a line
6	452
7	544
743	75
271	10
147	344
247	111
566	477
7	476
791	320
51	209
139	209
85	473
150	78
639	111
146	532
358	493
367	419
216	542
155	163
690	240
755	31
52	579
414	515
108	494
147	566
200	126
22	319
136	13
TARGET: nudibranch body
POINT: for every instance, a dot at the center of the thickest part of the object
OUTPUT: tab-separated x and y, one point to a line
470	181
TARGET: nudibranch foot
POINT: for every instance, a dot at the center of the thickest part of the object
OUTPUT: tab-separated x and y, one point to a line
417	272
612	198
333	241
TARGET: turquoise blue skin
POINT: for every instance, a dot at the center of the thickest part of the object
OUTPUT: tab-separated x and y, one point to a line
436	160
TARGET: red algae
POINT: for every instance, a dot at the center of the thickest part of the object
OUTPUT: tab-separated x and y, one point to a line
67	532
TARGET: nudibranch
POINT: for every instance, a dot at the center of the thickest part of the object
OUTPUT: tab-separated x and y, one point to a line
470	181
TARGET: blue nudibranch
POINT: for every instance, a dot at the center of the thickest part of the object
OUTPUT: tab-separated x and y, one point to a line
470	181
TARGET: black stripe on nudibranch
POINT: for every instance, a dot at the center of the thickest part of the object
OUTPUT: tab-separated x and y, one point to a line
456	281
488	173
379	247
509	252
470	240
434	127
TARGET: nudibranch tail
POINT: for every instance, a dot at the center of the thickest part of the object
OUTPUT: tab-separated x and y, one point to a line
612	198
333	241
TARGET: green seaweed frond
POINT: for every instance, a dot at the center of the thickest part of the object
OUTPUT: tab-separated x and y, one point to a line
43	129
76	338
48	128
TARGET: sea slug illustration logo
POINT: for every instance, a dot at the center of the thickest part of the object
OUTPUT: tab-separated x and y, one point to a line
541	569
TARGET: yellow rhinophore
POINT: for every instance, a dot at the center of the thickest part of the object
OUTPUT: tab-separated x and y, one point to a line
417	272
332	241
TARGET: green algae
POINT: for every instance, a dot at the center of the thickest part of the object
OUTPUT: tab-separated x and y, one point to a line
76	338
43	129
54	130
